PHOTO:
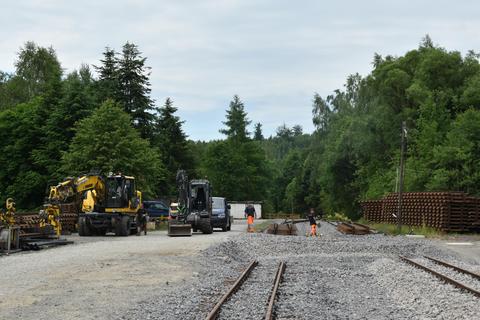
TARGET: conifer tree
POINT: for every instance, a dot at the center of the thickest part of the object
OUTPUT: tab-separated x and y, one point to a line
237	121
172	141
133	91
258	135
108	75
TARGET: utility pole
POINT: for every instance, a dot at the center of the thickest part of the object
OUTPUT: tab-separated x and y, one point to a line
403	149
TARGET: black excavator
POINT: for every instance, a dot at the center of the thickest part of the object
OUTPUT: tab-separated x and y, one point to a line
194	207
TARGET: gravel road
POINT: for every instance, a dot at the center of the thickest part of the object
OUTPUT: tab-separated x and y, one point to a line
334	276
98	277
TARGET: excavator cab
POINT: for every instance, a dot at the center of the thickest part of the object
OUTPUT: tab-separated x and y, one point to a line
121	192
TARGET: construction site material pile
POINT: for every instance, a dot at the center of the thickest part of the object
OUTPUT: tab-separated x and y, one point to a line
28	221
445	211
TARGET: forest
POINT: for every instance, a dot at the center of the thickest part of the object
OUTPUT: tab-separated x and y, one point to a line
55	124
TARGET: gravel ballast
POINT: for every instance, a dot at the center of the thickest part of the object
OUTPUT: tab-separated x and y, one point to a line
334	276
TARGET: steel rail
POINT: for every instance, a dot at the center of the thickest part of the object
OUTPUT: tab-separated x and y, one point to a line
333	223
273	294
216	309
441	276
448	265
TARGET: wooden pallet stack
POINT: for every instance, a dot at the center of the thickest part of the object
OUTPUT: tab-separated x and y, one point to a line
446	211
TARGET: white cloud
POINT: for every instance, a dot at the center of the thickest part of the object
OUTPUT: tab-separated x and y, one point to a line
274	54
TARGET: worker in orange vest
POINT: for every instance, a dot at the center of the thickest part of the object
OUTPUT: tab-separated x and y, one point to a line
250	214
313	224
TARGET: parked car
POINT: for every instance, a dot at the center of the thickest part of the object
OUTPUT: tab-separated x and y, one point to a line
156	209
221	217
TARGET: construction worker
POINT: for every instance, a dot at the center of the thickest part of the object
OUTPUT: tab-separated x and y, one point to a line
313	223
250	214
142	219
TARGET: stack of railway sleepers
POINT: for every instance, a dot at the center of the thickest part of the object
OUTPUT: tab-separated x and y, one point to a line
29	222
69	216
446	211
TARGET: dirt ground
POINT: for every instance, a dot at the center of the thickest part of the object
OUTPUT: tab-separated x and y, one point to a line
97	274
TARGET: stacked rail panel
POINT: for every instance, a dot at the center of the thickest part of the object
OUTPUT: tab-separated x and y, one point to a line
446	211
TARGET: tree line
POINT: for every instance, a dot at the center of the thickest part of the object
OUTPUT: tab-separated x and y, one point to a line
53	125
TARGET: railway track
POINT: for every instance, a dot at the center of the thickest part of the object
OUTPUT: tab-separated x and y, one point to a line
351	227
270	304
472	277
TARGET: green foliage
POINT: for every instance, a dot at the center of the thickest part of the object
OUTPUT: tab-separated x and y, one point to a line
51	126
237	166
106	141
20	177
258	134
392	229
358	129
237	121
37	68
172	141
457	161
134	88
238	170
108	76
125	79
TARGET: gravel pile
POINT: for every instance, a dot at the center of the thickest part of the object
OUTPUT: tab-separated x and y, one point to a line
334	276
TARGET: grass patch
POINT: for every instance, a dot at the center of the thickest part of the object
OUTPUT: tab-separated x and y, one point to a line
336	217
262	226
392	229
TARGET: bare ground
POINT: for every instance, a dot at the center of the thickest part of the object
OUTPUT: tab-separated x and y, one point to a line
97	275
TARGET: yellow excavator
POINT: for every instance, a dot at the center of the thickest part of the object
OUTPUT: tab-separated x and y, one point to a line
110	204
105	203
7	218
50	214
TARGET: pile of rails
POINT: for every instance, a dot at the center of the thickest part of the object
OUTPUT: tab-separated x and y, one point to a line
446	211
353	228
30	221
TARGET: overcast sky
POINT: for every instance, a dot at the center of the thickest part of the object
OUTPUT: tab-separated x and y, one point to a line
274	54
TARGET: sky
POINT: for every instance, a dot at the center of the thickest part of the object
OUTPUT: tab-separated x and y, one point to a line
274	54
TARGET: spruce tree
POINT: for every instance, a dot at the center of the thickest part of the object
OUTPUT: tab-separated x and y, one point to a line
133	91
108	76
237	166
258	135
237	121
172	141
297	130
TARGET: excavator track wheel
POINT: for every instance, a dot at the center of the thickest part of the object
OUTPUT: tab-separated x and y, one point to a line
122	228
83	227
205	226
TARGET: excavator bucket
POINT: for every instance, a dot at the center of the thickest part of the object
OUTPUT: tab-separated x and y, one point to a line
176	229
